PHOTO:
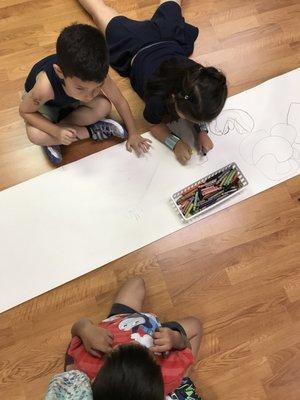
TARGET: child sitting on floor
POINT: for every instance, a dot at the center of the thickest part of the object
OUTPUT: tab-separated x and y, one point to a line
132	354
69	94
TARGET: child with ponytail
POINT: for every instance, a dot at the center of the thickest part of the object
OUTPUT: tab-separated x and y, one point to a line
154	55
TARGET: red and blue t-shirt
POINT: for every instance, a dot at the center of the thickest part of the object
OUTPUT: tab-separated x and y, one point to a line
127	328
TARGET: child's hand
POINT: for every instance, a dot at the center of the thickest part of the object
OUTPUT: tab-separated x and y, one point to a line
138	144
96	340
204	143
67	135
165	339
182	152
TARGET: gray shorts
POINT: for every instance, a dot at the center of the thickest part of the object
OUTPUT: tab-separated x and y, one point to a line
52	113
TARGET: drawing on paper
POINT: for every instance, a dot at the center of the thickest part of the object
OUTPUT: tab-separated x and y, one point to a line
232	120
135	214
276	153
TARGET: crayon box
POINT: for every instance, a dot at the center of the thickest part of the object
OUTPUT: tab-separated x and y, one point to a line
208	192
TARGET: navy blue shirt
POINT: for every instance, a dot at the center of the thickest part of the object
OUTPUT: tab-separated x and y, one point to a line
144	66
61	99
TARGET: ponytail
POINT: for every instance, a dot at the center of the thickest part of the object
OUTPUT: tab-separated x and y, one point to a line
199	92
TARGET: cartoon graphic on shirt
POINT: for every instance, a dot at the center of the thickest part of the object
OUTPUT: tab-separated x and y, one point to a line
142	327
146	340
135	322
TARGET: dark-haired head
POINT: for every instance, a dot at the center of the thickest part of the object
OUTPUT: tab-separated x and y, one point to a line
195	92
130	372
82	60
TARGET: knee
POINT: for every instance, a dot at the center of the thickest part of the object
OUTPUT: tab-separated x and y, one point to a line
138	285
34	135
197	325
102	107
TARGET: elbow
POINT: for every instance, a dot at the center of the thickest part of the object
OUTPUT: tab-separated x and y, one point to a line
21	112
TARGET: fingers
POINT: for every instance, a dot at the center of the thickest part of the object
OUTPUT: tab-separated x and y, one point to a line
159	349
128	147
140	146
184	158
136	148
144	147
95	353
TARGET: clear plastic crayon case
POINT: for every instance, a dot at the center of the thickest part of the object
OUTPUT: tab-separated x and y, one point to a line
242	183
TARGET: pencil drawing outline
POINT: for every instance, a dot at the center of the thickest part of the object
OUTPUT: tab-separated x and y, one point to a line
279	164
232	120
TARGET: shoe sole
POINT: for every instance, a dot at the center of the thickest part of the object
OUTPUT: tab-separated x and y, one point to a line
54	160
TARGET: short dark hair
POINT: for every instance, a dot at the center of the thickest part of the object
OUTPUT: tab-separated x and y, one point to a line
199	92
129	372
82	52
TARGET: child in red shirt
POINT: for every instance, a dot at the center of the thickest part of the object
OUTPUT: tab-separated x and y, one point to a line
131	354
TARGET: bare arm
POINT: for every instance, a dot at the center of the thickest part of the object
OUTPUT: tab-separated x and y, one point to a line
182	150
113	93
160	132
94	338
33	100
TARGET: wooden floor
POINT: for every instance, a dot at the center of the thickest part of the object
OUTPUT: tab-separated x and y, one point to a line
238	270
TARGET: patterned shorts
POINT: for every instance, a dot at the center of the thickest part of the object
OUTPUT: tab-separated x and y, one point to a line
186	391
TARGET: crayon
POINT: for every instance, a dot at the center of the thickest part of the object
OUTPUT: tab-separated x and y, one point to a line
209	195
203	194
220	178
229	178
215	176
209	190
216	197
195	200
186	196
189	209
225	178
187	206
183	205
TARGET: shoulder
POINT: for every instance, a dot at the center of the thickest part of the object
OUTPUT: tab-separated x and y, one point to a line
42	91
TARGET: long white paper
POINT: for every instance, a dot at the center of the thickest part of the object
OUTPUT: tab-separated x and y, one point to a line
76	218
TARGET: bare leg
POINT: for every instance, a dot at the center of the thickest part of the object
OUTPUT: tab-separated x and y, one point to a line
99	11
132	293
89	113
98	108
36	136
95	110
193	329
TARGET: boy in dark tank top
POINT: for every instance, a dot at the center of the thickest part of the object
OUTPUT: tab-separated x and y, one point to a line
68	96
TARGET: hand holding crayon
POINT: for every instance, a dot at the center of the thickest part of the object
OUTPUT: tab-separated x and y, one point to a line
205	144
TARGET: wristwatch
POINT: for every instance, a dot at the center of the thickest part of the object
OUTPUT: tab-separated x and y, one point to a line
171	141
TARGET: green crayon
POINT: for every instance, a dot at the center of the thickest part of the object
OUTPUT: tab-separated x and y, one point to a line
189	209
195	200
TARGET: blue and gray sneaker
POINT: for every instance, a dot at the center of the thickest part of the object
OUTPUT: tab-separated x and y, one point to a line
53	153
106	128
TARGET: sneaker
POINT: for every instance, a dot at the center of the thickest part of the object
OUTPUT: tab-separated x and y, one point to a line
54	154
106	128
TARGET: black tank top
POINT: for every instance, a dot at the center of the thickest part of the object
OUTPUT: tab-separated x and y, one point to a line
61	99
